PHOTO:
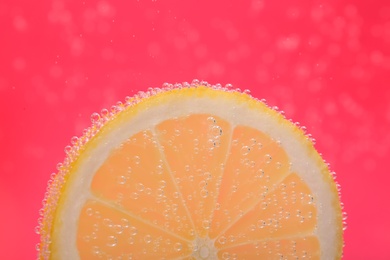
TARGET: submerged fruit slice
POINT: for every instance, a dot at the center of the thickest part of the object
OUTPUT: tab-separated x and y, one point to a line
196	172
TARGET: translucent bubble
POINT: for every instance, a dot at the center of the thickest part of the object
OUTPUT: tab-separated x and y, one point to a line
118	229
74	140
216	130
140	187
261	223
97	214
130	240
121	180
95	117
279	165
206	224
204	193
37	230
105	113
162	184
222	240
268	158
134	195
202	184
159	169
133	231
212	120
148	239
178	247
137	159
96	250
160	192
89	212
60	166
112	241
125	223
107	222
245	150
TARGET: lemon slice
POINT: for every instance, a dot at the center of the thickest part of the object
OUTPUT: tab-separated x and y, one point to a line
191	172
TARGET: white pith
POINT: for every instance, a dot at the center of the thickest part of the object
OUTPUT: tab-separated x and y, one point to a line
77	193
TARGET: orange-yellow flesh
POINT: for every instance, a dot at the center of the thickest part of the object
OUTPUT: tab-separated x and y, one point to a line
255	164
288	211
198	176
195	148
104	233
136	178
299	248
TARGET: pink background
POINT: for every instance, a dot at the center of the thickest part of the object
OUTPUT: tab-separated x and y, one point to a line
325	63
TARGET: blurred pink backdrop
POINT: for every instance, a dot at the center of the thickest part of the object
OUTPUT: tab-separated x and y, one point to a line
325	63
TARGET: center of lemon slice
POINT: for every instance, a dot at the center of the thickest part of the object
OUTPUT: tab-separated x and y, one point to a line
203	248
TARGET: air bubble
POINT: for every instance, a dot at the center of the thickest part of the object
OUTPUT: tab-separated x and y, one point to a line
268	158
96	250
112	241
140	187
245	150
95	117
222	240
37	230
125	223
216	130
107	222
130	240
89	212
74	140
278	165
160	192
105	113
204	193
261	224
211	120
134	195
162	184
195	82
178	247
121	180
160	169
206	224
133	231
148	239
137	159
118	229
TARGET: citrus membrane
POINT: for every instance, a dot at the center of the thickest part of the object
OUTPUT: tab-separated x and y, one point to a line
191	171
